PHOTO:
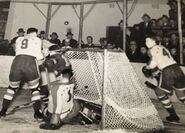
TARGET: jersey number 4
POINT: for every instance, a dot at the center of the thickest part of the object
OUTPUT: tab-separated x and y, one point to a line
165	53
24	44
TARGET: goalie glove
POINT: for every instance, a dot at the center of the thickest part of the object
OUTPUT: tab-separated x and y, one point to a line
147	72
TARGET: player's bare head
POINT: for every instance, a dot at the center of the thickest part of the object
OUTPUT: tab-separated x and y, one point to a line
32	30
151	41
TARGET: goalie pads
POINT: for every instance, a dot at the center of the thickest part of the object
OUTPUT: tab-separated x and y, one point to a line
91	113
82	112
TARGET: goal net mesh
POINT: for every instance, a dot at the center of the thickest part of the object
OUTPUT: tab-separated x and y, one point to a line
109	76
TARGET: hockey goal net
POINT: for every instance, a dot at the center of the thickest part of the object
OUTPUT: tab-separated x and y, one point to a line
108	79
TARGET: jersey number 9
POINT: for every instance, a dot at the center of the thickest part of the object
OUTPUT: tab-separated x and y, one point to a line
24	44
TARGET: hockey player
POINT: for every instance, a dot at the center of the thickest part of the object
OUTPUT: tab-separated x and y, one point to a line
172	77
61	101
62	107
25	69
162	96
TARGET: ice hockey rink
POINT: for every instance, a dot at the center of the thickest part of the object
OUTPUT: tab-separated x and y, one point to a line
22	121
105	77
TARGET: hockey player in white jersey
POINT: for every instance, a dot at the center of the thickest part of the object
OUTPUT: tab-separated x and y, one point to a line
172	77
24	68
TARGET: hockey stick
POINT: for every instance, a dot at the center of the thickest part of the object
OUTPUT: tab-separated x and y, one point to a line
150	85
25	105
18	107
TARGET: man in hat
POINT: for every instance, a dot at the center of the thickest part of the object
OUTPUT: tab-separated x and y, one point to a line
42	35
145	28
20	33
66	44
73	42
54	39
119	36
45	42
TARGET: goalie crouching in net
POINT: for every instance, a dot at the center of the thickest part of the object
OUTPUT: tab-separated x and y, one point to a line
171	78
62	107
60	102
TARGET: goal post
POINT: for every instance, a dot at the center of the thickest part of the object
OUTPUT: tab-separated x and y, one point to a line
102	124
107	78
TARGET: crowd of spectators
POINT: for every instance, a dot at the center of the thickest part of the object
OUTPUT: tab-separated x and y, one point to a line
165	28
54	43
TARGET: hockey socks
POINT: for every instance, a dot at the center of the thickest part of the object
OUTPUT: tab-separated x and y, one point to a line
37	105
8	97
37	112
44	92
5	105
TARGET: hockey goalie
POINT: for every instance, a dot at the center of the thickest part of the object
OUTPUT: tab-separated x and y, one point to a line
62	107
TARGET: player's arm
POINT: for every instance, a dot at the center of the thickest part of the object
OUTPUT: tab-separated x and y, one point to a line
45	49
166	52
67	63
18	39
18	42
152	64
40	56
153	59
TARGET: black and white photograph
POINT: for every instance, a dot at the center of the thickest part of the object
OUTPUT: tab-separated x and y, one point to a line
92	66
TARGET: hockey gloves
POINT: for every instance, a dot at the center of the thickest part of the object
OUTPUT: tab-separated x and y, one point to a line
147	72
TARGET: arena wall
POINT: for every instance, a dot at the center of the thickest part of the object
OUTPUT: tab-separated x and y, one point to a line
25	15
7	60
